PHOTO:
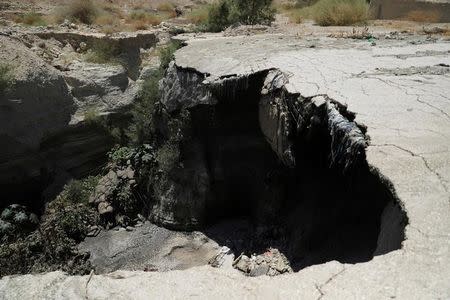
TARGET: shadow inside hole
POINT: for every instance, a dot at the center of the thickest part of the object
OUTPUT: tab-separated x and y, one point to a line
313	213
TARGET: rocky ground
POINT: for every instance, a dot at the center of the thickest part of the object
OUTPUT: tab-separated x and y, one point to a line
383	88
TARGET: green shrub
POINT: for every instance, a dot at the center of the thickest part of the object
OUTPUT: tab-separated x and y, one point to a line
167	54
250	12
78	191
253	12
103	52
6	78
83	11
219	16
120	155
177	131
339	12
31	19
144	17
168	157
53	246
129	195
142	127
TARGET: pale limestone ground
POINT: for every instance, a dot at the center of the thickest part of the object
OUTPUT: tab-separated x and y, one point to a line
401	95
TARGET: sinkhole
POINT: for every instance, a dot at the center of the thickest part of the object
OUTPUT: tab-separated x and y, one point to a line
319	209
264	172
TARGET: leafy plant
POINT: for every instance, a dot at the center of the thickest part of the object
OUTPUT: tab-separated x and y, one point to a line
6	78
227	12
78	191
219	16
167	54
53	245
253	11
120	155
142	128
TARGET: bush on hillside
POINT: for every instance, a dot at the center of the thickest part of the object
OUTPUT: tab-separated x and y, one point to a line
249	12
142	128
219	16
83	11
339	12
31	19
78	191
103	52
167	54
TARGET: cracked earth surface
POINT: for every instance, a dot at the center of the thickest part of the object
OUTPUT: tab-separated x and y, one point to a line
407	116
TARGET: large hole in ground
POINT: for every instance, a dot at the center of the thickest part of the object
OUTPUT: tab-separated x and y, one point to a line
312	213
257	206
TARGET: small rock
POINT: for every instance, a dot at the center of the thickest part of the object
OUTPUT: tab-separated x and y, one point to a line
105	208
272	272
141	217
318	101
218	260
83	46
242	264
280	266
34	218
259	270
129	228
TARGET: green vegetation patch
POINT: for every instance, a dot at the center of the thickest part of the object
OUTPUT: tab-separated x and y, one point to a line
104	52
52	246
338	12
82	11
224	13
6	78
31	19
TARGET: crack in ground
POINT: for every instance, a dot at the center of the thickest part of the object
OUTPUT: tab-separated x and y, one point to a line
427	165
320	287
87	283
392	84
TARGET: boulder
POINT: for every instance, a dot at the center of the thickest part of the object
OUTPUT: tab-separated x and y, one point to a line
183	89
105	88
39	102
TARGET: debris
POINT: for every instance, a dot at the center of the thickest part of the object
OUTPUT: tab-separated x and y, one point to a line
271	263
433	30
218	260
